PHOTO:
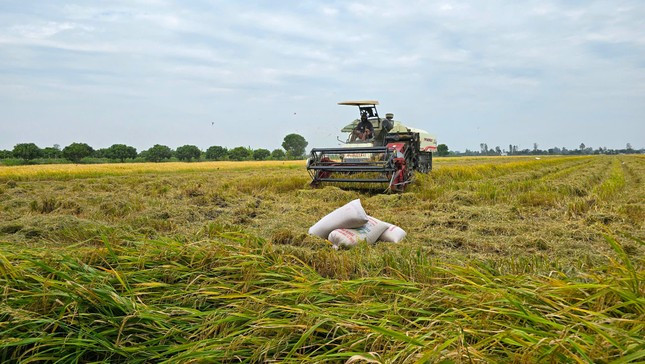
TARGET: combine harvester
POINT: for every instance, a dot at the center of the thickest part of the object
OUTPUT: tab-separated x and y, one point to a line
389	155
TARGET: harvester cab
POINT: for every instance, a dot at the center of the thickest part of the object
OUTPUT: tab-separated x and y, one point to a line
367	114
388	154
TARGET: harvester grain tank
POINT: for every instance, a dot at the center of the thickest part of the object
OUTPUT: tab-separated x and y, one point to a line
389	154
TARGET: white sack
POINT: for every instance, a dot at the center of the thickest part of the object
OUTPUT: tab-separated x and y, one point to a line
350	215
393	234
369	232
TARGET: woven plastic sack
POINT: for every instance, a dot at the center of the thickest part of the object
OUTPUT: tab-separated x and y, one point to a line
350	215
392	234
348	238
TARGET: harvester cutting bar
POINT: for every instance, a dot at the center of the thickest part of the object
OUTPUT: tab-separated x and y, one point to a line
355	180
338	164
353	167
350	150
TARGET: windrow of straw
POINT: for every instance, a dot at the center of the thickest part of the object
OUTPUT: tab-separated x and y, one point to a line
456	177
238	298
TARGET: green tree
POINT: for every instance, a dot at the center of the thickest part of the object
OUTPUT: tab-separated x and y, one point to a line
52	152
188	153
295	145
26	151
157	153
120	152
261	154
277	154
5	154
101	153
239	154
77	151
216	153
442	150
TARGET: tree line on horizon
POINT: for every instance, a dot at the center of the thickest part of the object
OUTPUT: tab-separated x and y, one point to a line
293	148
484	150
24	153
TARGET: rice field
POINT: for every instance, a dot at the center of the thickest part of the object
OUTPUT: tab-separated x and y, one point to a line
70	171
507	259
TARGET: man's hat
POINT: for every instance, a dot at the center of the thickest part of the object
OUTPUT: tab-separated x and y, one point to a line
389	115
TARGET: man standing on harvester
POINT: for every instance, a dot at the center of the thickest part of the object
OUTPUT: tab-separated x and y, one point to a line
364	130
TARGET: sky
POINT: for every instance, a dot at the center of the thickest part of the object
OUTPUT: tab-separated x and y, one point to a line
246	73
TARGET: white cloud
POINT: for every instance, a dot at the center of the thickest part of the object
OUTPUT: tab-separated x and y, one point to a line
329	11
46	29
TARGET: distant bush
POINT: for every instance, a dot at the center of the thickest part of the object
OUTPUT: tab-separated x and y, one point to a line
261	154
77	151
442	150
60	160
120	152
157	153
100	153
290	156
12	162
26	151
277	154
216	153
239	154
95	160
188	153
52	153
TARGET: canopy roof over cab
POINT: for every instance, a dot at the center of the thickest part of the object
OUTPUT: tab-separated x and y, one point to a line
359	102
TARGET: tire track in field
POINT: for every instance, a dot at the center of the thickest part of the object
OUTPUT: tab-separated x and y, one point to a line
613	181
547	175
629	203
503	188
580	181
594	184
466	180
569	170
546	183
461	173
634	170
552	190
537	173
